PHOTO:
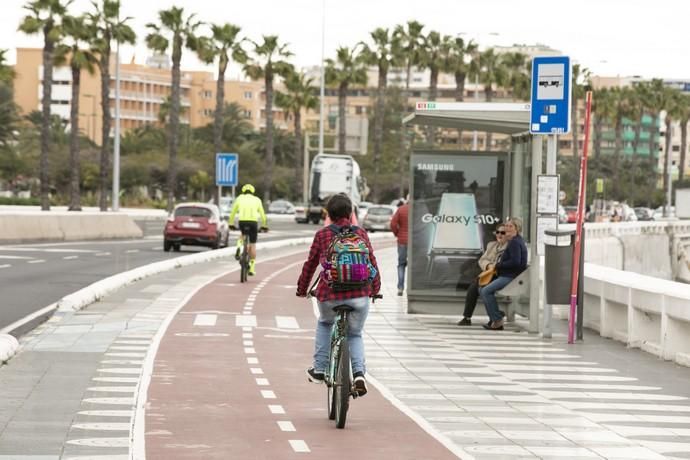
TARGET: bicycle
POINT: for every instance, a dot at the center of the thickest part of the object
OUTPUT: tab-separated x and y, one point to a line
244	255
338	375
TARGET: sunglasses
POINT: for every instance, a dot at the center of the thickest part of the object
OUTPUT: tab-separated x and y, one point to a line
500	232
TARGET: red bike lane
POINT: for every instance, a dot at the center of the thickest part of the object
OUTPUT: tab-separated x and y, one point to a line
229	383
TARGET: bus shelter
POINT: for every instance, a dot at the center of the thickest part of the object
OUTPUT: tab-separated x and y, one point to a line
458	197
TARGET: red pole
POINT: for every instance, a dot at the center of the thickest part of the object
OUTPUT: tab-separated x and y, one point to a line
580	218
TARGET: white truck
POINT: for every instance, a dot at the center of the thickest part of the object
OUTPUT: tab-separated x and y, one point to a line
683	203
331	174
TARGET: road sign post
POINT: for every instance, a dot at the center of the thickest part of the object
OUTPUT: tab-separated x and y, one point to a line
227	171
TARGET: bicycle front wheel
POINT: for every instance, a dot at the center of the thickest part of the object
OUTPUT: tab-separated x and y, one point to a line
342	385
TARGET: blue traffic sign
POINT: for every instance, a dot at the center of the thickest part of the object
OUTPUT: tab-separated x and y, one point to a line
551	95
226	169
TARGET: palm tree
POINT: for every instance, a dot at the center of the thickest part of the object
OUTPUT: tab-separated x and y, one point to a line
621	110
7	73
300	96
578	93
383	53
78	58
269	60
517	75
174	31
107	26
603	110
672	107
347	69
45	18
434	56
223	44
411	44
683	109
459	64
491	72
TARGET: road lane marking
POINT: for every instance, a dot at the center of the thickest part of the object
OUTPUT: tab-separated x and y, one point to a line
262	382
247	335
15	257
245	320
250	351
5	266
204	319
286	426
299	446
276	409
268	394
247	329
248	343
256	370
37	261
131	251
100	254
252	360
286	322
70	257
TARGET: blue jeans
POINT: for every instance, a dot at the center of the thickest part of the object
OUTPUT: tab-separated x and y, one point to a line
402	265
488	295
356	319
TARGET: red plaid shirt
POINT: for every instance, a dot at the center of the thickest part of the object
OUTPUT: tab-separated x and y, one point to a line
319	248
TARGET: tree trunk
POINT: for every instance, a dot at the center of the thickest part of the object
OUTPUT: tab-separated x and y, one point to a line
616	155
408	75
75	198
653	139
667	156
378	128
598	122
433	90
633	166
47	84
488	95
460	97
342	130
683	147
218	115
104	66
299	154
174	124
268	173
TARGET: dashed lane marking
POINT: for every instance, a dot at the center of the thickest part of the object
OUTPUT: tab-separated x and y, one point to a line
5	266
101	254
262	382
256	370
276	409
37	261
268	394
70	257
250	351
299	446
131	251
252	360
204	319
286	426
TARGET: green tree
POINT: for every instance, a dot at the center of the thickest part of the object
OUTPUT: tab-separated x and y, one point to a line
7	73
8	109
384	53
491	72
580	84
347	69
74	52
517	75
236	128
106	27
223	44
603	109
411	41
45	17
268	61
683	112
300	96
434	56
200	181
461	64
174	31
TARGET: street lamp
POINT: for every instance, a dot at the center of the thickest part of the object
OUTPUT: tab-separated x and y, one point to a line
116	143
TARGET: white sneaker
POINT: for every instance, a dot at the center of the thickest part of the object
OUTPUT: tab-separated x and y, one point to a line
360	386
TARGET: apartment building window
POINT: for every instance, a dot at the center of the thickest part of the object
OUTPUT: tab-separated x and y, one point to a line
208	112
359	110
247	114
248	95
207	94
59	102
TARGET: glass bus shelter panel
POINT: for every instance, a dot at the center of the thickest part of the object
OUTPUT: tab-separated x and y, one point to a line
457	201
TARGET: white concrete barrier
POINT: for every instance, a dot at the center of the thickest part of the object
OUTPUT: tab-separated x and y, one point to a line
8	347
641	311
63	226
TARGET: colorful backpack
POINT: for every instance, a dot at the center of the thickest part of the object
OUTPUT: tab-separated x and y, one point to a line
347	265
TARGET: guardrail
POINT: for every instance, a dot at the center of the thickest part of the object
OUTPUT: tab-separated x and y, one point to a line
641	311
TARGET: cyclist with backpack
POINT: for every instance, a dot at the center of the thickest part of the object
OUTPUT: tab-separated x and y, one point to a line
350	276
250	209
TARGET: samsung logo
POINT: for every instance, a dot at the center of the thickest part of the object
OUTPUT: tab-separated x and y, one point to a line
435	167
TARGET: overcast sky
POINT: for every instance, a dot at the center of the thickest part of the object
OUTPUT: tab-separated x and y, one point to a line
610	37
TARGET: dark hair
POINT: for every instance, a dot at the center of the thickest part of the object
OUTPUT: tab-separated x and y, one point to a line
339	206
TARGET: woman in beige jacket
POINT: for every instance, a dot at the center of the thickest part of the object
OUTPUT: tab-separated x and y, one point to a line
492	254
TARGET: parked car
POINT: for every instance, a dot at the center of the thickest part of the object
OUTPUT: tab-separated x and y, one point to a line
195	224
362	209
225	207
659	213
302	214
571	214
281	207
643	213
378	217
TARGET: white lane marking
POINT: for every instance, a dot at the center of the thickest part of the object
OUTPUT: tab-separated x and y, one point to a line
299	446
106	413
116	379
247	329
117	389
100	442
111	401
250	351
5	266
286	322
256	370
252	360
204	319
131	251
248	343
247	335
286	426
262	382
15	257
100	254
70	257
37	261
121	370
102	426
246	320
268	394
276	409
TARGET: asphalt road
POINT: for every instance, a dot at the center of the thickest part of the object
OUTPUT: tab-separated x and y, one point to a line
33	276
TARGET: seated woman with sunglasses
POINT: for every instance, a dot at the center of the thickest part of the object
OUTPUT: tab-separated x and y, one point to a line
493	252
513	261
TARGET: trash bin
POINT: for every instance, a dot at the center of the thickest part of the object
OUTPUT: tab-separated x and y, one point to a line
558	265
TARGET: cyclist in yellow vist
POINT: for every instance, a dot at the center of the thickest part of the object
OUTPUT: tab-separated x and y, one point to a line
249	208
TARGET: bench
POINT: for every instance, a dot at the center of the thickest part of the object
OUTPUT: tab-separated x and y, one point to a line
513	293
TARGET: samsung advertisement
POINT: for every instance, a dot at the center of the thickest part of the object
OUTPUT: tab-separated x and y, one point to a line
457	202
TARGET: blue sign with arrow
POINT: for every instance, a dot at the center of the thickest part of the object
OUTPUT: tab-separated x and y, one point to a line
551	95
227	165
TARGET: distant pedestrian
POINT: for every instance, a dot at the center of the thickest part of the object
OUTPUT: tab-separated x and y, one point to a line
399	226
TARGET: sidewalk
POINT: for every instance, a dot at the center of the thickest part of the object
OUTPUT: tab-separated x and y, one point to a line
70	392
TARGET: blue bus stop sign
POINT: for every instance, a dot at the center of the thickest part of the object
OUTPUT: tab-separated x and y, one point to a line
227	165
551	95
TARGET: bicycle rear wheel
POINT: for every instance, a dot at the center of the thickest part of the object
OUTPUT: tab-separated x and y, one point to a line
244	267
342	385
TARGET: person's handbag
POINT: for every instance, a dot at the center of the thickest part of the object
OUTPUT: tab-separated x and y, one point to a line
486	276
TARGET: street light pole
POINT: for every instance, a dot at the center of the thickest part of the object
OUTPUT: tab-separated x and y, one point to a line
116	143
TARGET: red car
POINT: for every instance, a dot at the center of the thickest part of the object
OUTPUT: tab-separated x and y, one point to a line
571	212
195	224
